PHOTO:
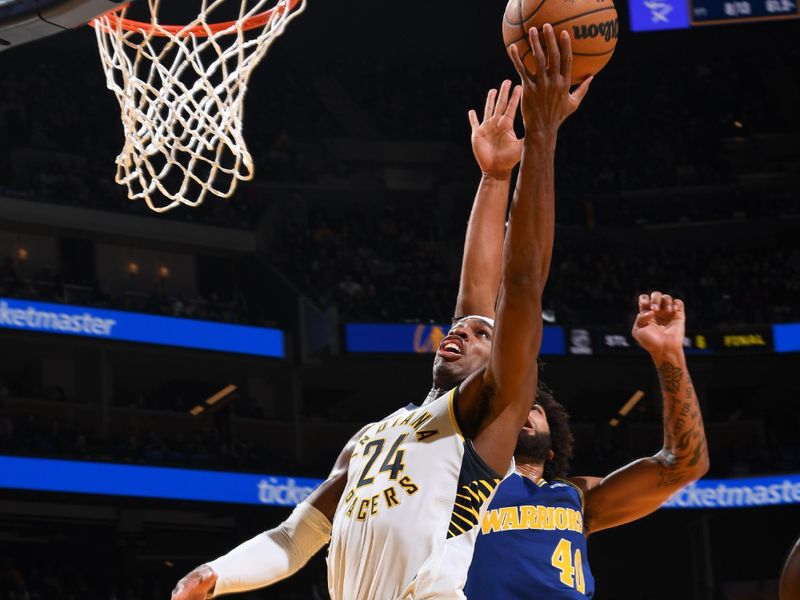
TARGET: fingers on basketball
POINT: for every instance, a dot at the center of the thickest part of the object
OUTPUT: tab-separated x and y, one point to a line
516	59
553	51
566	53
592	25
538	52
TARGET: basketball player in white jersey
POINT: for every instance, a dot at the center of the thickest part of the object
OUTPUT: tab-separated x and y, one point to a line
407	492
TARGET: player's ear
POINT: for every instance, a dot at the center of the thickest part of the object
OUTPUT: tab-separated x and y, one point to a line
550	455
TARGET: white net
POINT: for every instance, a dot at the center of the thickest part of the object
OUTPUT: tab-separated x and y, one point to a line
181	91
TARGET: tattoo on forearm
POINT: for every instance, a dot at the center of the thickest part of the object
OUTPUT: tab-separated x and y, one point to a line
699	450
684	438
670	376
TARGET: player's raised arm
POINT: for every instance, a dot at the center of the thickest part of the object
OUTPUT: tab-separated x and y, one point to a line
644	485
278	553
497	151
494	405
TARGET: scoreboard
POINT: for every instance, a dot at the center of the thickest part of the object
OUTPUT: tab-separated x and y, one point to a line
656	15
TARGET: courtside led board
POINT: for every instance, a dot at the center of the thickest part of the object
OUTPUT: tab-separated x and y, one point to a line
657	15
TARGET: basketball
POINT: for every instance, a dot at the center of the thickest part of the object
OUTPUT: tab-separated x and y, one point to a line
592	25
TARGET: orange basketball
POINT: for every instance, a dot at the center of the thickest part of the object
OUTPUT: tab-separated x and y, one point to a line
592	25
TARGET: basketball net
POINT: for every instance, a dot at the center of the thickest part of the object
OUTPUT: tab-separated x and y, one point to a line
181	92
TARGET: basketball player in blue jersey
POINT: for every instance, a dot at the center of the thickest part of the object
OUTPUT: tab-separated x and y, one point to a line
404	541
533	542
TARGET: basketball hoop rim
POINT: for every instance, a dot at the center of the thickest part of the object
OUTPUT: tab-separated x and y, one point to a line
205	30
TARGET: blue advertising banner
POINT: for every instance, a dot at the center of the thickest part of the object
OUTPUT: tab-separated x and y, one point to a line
738	493
152	482
658	15
278	490
422	338
786	337
135	327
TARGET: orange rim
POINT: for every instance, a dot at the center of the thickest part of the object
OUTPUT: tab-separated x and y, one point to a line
253	22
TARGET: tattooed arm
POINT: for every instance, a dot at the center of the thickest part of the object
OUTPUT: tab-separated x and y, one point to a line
641	487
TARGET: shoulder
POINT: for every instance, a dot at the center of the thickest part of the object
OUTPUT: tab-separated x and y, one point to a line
583	484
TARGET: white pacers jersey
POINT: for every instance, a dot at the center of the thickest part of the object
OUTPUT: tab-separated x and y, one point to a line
406	524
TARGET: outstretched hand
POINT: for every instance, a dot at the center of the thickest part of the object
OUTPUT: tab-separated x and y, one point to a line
546	99
196	585
660	325
494	143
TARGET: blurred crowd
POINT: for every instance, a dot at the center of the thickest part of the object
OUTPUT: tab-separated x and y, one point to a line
386	265
389	265
624	138
173	438
50	285
395	262
209	443
206	448
730	282
47	573
385	268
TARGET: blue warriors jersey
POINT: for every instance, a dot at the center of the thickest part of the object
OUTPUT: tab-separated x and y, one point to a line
532	544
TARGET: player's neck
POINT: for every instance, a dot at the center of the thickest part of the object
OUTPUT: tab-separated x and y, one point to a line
531	470
432	395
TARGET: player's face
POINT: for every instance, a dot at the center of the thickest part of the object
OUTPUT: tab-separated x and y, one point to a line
533	441
464	350
536	421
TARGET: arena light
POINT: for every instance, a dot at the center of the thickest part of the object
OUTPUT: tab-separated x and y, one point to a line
627	407
226	391
212	400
